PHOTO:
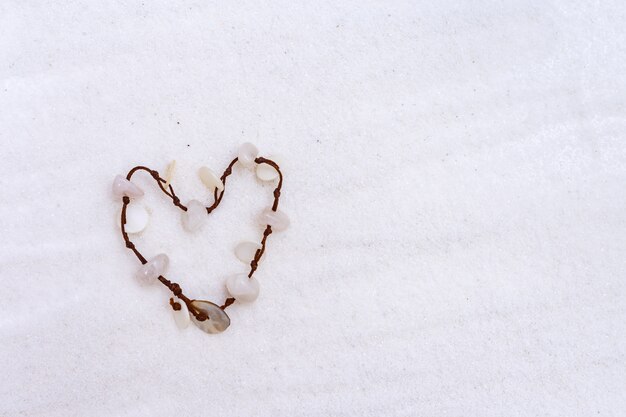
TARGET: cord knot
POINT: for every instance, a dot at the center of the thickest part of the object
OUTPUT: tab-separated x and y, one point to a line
130	245
176	290
175	305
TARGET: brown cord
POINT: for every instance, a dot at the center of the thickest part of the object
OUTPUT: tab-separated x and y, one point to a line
169	191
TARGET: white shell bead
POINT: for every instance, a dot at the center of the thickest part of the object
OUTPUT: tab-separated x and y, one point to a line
181	317
245	251
266	172
242	288
150	271
123	187
210	179
194	217
218	320
277	219
136	218
247	154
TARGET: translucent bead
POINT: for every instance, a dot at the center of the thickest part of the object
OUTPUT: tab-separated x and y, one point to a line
266	172
277	219
136	218
123	187
245	251
181	317
150	271
194	217
243	288
247	154
210	179
218	320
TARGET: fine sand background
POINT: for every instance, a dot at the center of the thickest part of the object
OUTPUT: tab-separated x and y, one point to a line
455	177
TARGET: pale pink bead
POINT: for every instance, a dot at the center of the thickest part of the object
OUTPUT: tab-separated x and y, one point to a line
247	154
194	217
122	187
277	219
242	288
150	271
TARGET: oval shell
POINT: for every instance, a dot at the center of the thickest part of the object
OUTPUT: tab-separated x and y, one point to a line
245	251
181	317
136	218
218	320
210	179
266	172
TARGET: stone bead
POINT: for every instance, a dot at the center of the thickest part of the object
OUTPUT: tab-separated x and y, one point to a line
150	271
277	219
122	187
218	320
245	251
247	154
242	288
210	179
194	217
181	317
266	172
136	218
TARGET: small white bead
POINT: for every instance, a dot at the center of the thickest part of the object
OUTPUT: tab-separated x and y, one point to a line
242	288
245	251
151	270
136	218
181	317
210	179
194	217
247	154
218	319
267	172
277	219
123	187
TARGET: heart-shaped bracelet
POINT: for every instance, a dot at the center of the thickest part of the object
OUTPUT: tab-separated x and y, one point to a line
242	287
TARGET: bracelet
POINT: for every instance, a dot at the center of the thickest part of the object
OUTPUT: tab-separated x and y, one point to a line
208	316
